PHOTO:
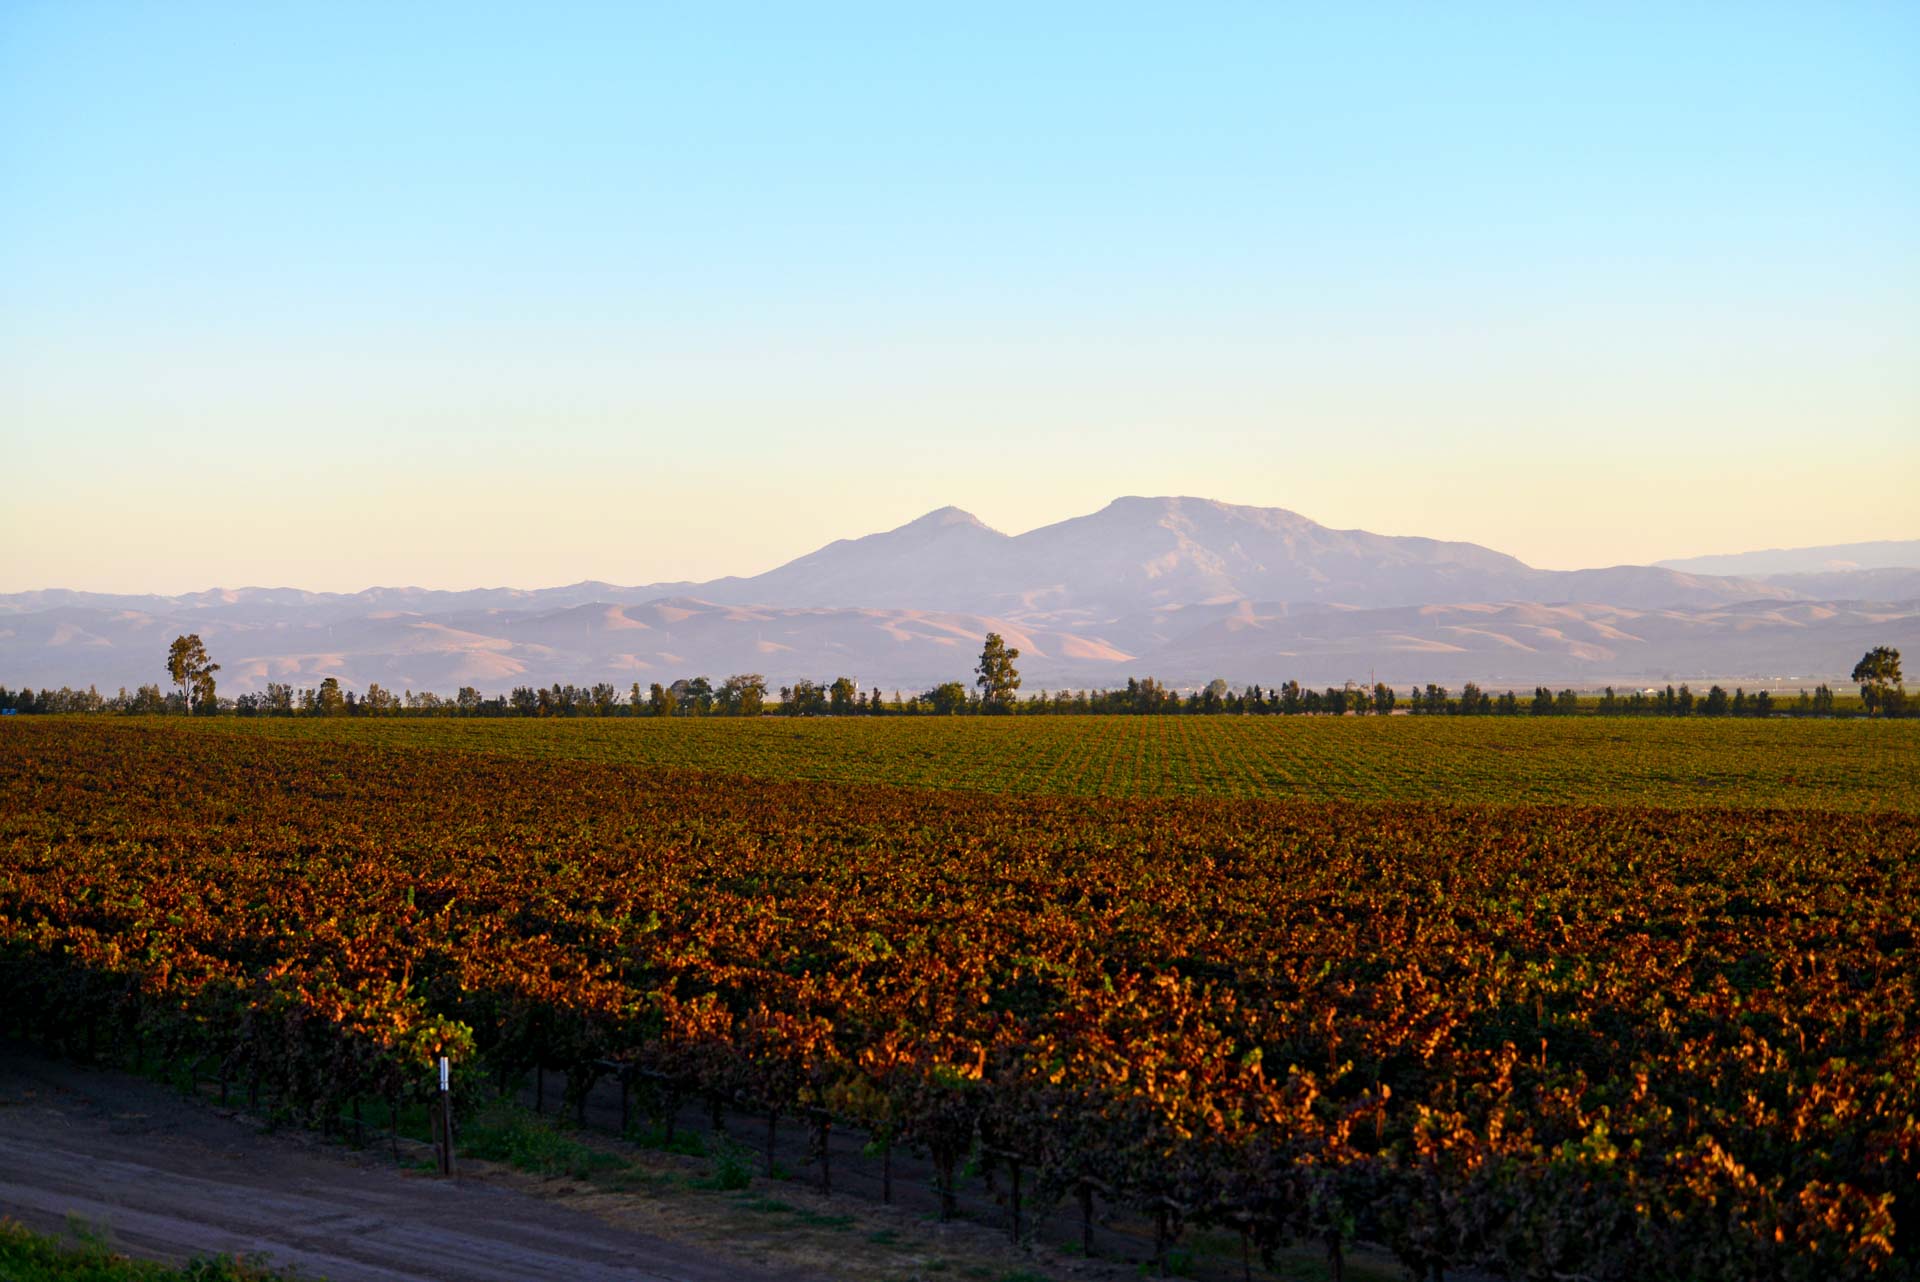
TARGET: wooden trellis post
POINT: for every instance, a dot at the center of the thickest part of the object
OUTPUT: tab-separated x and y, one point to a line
822	1139
1086	1187
1014	1163
1244	1221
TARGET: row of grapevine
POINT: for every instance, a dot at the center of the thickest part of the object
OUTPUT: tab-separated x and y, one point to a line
1549	1042
1823	765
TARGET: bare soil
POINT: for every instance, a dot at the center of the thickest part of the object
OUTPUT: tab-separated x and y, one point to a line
165	1177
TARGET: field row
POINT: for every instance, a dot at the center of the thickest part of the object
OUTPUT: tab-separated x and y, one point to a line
1825	765
1550	1042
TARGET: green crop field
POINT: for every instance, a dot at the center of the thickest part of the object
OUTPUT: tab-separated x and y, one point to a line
1794	764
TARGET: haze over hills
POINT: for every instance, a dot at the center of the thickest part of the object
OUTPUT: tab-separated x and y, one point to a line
1183	589
1885	554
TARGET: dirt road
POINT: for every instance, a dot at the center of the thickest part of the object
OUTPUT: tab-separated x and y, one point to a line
169	1178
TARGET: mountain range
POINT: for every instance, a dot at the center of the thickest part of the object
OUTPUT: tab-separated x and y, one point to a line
1837	557
1183	589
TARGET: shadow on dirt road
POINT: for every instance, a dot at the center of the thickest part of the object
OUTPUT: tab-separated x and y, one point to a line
170	1178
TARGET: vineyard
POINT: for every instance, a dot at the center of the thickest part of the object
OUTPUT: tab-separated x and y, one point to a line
1550	1041
1826	765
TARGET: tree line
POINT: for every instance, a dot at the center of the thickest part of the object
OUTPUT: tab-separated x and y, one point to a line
995	691
747	695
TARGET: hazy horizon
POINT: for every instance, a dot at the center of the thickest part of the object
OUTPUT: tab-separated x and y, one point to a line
460	297
742	574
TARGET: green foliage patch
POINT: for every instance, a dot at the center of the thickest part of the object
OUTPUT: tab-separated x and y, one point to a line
1606	761
26	1256
505	1133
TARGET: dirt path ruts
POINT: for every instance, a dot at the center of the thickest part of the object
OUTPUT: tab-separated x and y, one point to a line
168	1178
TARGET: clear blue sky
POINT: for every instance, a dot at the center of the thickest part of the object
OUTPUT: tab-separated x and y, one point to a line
333	295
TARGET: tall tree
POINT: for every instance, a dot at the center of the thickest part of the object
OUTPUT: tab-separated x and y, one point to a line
660	701
695	696
998	678
842	697
744	694
947	699
192	671
329	702
1878	676
804	698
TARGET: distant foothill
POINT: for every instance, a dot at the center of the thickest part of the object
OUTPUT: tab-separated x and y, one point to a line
1187	590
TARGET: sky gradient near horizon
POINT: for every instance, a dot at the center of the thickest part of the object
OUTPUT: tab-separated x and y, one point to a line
331	296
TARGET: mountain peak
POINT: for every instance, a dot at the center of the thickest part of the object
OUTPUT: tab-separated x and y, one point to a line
942	517
1191	507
